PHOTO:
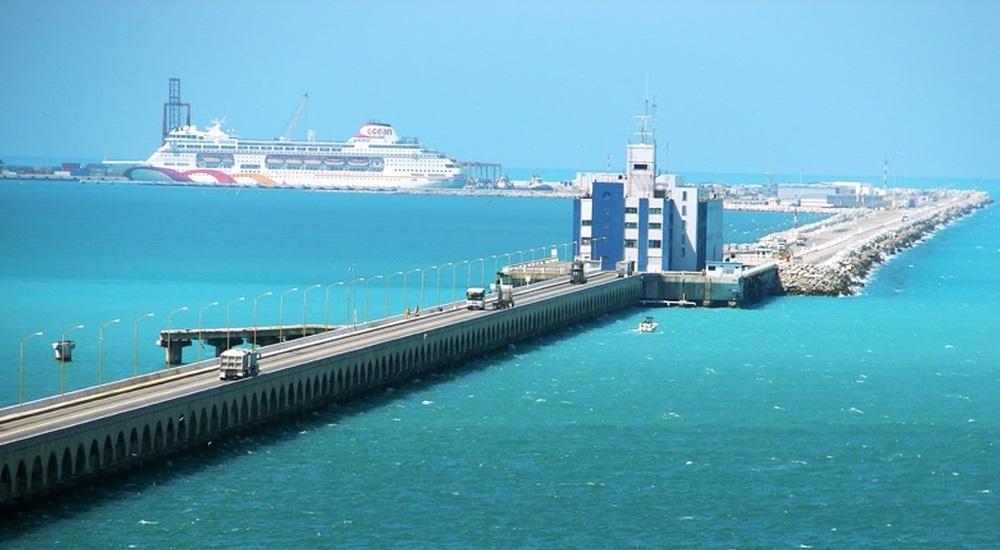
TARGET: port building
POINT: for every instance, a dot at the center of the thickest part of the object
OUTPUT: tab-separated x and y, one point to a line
654	220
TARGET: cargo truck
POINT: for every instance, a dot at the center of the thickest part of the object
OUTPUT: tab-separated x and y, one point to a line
238	363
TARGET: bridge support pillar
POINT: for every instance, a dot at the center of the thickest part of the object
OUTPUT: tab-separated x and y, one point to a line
220	343
175	351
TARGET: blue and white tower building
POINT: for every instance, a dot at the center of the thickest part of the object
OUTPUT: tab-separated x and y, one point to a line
653	220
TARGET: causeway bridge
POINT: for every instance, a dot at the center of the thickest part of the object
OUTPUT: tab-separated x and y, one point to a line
52	444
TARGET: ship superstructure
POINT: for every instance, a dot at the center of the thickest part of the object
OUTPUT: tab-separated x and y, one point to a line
373	158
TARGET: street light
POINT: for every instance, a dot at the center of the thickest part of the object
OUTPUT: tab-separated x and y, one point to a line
201	340
62	360
406	304
281	311
100	350
451	297
437	282
229	319
268	293
326	304
453	269
20	371
169	316
496	261
305	305
388	288
135	343
368	280
420	302
482	268
520	256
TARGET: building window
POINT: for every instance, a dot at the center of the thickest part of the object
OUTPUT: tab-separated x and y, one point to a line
655	225
631	243
640	167
631	225
585	223
655	244
631	210
684	195
684	210
655	211
585	241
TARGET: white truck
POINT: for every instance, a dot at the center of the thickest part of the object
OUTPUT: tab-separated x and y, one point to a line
475	298
238	363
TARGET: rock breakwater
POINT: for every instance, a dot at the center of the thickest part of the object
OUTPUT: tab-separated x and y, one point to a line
846	274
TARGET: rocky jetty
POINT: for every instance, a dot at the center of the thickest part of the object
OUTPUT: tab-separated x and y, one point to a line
849	271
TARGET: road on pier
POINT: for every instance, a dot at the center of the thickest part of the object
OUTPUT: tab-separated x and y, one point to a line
19	424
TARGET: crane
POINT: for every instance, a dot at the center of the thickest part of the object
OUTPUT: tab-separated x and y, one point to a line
290	129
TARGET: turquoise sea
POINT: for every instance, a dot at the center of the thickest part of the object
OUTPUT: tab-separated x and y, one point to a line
805	422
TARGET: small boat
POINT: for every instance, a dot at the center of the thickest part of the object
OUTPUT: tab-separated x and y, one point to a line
648	325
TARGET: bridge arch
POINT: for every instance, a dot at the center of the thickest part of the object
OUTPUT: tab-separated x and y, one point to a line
80	466
21	486
52	470
121	449
213	427
133	444
158	437
147	441
245	409
6	483
108	458
94	462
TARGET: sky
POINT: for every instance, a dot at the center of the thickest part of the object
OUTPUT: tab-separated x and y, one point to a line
740	86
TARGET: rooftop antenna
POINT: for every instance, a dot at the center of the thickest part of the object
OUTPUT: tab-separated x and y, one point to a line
645	119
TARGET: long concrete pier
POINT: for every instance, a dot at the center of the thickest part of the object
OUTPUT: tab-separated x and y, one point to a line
52	444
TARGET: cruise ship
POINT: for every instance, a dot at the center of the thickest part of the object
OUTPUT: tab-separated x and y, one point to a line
374	158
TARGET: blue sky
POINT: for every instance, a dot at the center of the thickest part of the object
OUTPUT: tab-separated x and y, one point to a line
748	86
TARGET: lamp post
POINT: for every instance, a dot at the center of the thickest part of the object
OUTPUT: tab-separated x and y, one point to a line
62	361
496	262
326	306
281	311
437	282
229	319
482	268
169	317
453	269
520	256
268	293
201	340
367	281
135	343
100	350
20	370
406	305
388	288
420	302
305	305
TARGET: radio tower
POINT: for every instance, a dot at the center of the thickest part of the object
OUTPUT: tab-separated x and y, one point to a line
173	109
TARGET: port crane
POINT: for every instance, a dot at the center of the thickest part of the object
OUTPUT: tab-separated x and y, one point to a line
294	122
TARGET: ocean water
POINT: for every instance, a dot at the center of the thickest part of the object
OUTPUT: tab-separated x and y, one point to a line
804	422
